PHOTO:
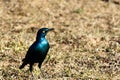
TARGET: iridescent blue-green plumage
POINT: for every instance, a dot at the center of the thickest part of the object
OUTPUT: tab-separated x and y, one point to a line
38	50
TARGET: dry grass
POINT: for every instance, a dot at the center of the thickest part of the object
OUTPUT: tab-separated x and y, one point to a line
84	46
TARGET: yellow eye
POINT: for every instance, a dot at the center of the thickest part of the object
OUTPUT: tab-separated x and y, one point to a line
44	31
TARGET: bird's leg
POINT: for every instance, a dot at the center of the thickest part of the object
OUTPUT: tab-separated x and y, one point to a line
31	69
39	65
32	76
42	73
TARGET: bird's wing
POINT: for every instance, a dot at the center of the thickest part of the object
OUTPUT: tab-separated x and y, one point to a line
30	52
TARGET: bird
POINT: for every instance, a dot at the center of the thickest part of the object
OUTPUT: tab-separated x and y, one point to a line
38	50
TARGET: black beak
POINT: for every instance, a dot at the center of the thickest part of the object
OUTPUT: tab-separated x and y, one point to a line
51	29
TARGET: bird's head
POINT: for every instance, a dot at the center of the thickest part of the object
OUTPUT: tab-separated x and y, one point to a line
43	32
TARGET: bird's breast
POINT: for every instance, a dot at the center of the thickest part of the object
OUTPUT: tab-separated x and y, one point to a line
43	47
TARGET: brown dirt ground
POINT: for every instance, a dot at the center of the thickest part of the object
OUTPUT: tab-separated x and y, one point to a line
84	46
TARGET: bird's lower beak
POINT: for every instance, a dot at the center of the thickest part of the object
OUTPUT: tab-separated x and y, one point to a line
51	29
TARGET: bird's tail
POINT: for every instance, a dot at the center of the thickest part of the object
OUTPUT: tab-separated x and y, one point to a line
23	65
23	60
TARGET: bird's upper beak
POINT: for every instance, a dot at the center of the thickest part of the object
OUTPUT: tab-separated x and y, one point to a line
51	29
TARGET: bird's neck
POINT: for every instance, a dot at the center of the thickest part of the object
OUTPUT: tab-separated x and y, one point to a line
39	39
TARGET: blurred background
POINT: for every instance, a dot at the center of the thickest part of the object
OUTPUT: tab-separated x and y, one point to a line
84	46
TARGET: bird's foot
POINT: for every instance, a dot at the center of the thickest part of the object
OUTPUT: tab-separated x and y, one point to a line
43	76
32	76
